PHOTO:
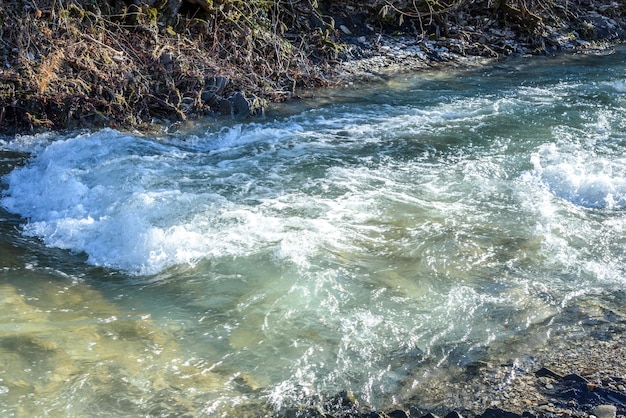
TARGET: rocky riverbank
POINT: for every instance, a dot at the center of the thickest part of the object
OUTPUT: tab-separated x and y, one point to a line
140	65
478	39
576	371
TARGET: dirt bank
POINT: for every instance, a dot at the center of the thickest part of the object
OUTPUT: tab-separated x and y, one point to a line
135	64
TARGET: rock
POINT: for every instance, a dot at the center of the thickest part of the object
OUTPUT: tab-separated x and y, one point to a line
429	415
498	413
345	30
237	106
604	411
545	372
454	414
397	414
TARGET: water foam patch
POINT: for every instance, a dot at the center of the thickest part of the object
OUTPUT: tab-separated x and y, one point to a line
95	194
580	176
143	206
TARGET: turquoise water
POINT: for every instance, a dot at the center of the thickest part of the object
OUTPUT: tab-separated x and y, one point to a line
361	241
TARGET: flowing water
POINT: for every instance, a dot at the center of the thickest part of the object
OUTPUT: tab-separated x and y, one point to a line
359	242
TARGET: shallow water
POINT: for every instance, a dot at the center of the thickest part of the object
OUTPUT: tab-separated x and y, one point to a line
360	242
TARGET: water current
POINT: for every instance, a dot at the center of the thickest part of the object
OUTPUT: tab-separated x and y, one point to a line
359	241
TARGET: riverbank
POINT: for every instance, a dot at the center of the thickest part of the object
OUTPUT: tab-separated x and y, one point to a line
79	64
576	372
568	371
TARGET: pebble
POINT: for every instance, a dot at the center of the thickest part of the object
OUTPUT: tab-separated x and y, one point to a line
604	411
345	29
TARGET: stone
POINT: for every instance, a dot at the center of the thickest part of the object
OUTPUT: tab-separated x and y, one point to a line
345	30
604	411
545	372
498	413
454	414
237	106
574	378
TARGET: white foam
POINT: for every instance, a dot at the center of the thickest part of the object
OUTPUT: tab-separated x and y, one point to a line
617	85
27	143
580	176
142	206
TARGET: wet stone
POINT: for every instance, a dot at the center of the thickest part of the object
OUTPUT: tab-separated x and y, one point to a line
605	411
397	414
498	413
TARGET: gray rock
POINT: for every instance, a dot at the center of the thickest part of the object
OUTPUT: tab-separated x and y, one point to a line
237	106
604	411
345	30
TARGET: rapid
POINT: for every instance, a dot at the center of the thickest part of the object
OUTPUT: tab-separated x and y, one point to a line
361	241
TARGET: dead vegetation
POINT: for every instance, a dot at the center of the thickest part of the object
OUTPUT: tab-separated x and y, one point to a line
66	64
75	63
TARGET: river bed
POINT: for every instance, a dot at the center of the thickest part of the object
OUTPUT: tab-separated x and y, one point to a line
366	241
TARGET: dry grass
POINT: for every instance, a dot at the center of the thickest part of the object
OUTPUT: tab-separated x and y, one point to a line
74	63
88	63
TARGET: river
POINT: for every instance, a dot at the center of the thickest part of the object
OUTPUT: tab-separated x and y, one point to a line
359	241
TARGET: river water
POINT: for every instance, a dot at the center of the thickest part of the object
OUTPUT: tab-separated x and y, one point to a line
361	241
